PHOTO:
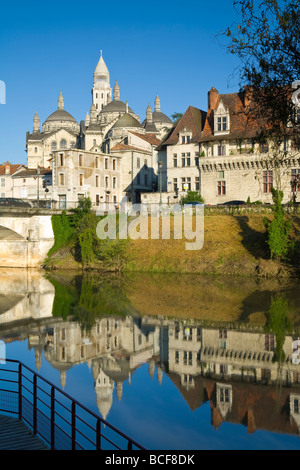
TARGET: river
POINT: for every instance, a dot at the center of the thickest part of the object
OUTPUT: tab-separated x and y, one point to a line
176	362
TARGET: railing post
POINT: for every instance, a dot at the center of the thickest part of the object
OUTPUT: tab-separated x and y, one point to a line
20	390
98	435
73	425
34	404
52	418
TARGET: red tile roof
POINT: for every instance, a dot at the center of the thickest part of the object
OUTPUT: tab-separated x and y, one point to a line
192	119
13	167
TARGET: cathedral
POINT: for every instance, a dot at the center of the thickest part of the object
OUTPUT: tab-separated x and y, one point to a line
106	125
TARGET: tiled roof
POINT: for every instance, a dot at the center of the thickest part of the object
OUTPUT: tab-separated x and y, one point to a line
151	138
242	121
13	168
28	172
192	119
126	147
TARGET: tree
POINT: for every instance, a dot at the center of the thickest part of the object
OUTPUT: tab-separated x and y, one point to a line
266	40
192	196
176	116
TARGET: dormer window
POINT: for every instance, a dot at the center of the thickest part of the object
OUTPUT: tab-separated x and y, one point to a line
221	120
185	136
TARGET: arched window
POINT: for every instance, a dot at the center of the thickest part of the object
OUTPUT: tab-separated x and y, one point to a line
63	144
94	142
53	145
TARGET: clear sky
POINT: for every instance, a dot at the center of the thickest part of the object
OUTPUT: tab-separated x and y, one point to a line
169	47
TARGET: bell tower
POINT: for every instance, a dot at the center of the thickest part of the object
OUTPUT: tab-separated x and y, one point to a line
101	91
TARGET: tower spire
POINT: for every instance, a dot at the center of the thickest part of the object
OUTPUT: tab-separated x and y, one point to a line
157	103
116	92
60	101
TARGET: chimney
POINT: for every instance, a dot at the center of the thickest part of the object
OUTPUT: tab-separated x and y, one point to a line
212	98
7	168
247	96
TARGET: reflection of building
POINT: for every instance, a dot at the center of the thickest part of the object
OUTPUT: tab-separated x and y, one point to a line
231	370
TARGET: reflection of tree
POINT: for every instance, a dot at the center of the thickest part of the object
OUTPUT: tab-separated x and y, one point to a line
278	323
89	298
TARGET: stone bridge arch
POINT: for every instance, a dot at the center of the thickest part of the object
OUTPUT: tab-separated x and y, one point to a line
25	238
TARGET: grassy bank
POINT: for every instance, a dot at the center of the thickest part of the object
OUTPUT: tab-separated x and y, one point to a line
233	245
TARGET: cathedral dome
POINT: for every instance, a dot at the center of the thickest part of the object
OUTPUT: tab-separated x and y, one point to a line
115	106
127	120
158	116
60	119
60	115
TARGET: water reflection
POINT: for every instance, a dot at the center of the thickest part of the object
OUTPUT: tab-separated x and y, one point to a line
225	343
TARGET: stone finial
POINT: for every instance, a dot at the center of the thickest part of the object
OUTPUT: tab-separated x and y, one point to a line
157	103
149	115
116	92
60	101
36	122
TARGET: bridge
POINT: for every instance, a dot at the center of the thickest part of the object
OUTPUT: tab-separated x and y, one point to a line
26	236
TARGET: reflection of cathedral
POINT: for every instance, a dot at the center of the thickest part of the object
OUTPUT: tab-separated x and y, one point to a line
230	370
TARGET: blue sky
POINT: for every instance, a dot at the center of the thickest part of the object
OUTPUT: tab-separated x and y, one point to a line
169	47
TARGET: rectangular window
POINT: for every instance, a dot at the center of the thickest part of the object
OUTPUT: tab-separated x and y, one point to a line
61	179
183	159
183	184
175	185
269	342
114	182
222	123
106	181
221	187
188	159
264	147
106	164
2	182
97	181
188	139
175	160
114	164
80	160
221	175
267	181
295	180
61	159
221	150
183	139
188	181
97	162
81	179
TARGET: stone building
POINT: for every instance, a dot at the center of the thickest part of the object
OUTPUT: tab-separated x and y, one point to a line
111	132
7	170
79	173
218	154
59	131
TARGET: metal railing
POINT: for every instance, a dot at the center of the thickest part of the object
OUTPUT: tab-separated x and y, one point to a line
57	418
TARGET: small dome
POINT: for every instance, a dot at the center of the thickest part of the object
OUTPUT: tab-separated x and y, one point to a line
158	116
60	115
115	106
126	121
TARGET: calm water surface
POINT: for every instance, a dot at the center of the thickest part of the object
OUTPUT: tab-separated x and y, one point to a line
176	362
